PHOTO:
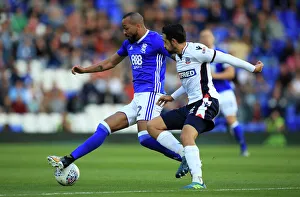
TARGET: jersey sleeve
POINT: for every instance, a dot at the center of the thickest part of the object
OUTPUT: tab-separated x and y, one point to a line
123	49
224	65
160	46
165	52
204	54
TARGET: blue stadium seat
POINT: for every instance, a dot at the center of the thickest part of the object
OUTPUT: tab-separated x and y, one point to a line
289	20
281	17
112	8
220	120
298	122
220	125
219	129
255	127
257	3
68	10
291	119
16	128
291	125
277	46
221	34
271	73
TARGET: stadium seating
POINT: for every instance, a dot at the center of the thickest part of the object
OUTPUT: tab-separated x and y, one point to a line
87	121
15	122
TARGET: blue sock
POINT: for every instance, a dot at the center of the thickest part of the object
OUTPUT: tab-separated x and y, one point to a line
92	142
149	142
239	136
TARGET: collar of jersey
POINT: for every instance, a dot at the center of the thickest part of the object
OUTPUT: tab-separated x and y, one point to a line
142	38
183	50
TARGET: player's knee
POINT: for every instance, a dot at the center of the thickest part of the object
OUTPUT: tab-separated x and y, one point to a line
155	127
151	127
187	139
231	120
103	127
183	138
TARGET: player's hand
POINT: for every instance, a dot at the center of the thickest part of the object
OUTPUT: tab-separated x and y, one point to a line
213	75
164	99
258	67
77	69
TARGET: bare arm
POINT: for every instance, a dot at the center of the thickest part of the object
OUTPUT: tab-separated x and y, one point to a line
106	64
227	74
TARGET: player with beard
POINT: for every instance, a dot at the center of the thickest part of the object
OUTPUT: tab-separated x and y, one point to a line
147	54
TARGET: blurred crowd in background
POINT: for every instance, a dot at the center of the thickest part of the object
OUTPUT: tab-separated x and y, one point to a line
58	34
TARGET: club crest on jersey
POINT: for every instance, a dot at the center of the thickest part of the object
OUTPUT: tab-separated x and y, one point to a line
143	49
187	60
187	74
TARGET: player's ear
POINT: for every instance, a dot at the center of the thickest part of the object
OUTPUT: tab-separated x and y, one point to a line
174	41
139	26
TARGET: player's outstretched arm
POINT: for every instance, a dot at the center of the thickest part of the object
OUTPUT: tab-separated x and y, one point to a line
106	64
221	57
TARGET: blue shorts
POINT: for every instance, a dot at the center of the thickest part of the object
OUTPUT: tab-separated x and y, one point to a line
200	115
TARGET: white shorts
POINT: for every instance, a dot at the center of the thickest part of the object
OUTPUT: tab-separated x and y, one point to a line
228	104
142	107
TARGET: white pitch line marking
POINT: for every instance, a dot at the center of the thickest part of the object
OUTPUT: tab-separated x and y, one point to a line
151	191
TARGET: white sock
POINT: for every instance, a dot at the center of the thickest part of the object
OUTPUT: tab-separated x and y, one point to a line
168	140
192	156
236	123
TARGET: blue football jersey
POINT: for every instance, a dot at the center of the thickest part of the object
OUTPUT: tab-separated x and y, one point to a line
220	85
148	62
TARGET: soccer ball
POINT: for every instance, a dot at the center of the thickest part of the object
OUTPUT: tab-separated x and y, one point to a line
67	176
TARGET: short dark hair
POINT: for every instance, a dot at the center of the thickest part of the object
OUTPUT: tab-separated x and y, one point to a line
129	14
135	17
175	31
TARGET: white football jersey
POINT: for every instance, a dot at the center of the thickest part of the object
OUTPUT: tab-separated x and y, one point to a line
194	71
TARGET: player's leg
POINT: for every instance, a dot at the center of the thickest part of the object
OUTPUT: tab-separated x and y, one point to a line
228	106
238	134
158	127
111	124
147	110
198	121
149	142
192	155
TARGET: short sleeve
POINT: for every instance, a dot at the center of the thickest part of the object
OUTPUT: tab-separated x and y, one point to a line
204	54
123	49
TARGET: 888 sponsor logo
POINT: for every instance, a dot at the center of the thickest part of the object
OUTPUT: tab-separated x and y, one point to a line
136	61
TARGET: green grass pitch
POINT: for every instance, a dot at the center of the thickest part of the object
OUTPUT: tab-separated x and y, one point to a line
131	170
